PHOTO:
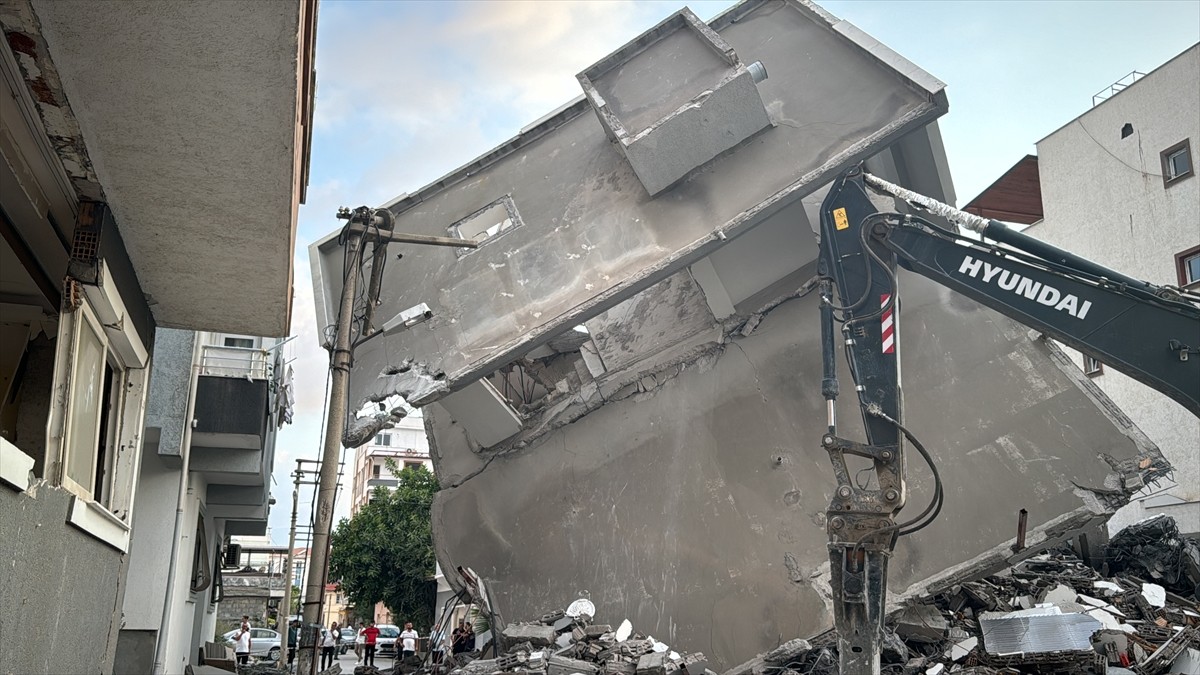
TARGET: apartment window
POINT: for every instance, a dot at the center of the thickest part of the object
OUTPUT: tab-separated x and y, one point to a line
375	471
240	342
1177	162
96	382
218	583
487	223
383	439
1187	266
1092	367
413	465
201	575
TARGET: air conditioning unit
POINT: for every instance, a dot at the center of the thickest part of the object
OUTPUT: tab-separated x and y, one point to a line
233	556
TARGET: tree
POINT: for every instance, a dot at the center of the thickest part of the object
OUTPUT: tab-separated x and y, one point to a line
385	552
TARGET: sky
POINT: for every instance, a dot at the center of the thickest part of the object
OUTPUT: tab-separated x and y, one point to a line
407	91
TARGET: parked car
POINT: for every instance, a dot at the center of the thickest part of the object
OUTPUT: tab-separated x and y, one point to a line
385	644
264	642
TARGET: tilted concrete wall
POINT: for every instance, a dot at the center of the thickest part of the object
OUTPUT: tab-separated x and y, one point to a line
60	589
669	506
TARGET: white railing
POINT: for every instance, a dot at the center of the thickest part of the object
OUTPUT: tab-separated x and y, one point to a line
242	362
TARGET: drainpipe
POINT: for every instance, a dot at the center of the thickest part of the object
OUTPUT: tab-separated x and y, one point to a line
185	450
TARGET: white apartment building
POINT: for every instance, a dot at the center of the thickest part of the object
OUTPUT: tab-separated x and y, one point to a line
128	222
405	443
1118	186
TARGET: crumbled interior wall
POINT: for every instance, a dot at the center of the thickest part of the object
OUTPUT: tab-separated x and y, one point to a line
695	507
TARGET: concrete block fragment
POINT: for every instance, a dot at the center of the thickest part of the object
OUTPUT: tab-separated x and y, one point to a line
561	665
535	634
597	630
654	663
619	666
695	664
921	623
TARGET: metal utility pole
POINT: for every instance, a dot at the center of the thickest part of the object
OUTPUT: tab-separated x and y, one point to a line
298	476
363	224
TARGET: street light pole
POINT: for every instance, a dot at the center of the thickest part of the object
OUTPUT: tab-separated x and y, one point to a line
363	223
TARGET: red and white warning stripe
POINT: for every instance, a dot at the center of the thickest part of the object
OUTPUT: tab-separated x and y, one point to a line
888	326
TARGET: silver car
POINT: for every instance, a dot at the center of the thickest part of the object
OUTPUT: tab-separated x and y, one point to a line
264	642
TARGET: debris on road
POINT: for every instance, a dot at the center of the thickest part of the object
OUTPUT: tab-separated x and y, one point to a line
568	643
1048	614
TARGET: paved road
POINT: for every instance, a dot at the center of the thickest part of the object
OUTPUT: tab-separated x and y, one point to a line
347	662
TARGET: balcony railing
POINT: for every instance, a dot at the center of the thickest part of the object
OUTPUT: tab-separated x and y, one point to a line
240	362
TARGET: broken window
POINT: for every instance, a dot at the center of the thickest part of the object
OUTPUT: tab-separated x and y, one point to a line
487	223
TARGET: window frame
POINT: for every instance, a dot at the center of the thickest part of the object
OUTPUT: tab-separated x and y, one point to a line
506	202
1181	260
1186	146
85	316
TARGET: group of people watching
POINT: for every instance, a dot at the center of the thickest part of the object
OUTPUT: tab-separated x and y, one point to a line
366	640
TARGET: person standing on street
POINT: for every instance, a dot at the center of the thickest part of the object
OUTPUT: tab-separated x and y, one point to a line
358	644
437	645
293	633
463	638
241	648
329	646
409	640
370	637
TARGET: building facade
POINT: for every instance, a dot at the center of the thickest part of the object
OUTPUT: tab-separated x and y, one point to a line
405	444
1119	187
116	207
217	401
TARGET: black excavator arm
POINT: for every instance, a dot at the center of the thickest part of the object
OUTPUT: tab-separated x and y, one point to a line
1151	333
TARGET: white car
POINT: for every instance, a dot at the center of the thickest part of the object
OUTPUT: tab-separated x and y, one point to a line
385	644
264	642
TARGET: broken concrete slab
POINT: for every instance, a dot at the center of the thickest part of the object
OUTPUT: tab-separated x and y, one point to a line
922	623
535	634
654	663
561	665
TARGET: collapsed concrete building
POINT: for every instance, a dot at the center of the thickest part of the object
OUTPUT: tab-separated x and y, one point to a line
621	385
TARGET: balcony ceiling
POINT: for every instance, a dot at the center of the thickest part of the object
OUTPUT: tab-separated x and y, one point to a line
189	114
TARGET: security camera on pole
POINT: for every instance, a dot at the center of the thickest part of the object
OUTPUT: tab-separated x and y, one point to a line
364	226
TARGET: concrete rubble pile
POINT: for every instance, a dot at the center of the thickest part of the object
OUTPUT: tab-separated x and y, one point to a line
1048	614
562	644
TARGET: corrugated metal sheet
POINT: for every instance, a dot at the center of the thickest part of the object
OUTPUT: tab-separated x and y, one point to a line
1009	635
